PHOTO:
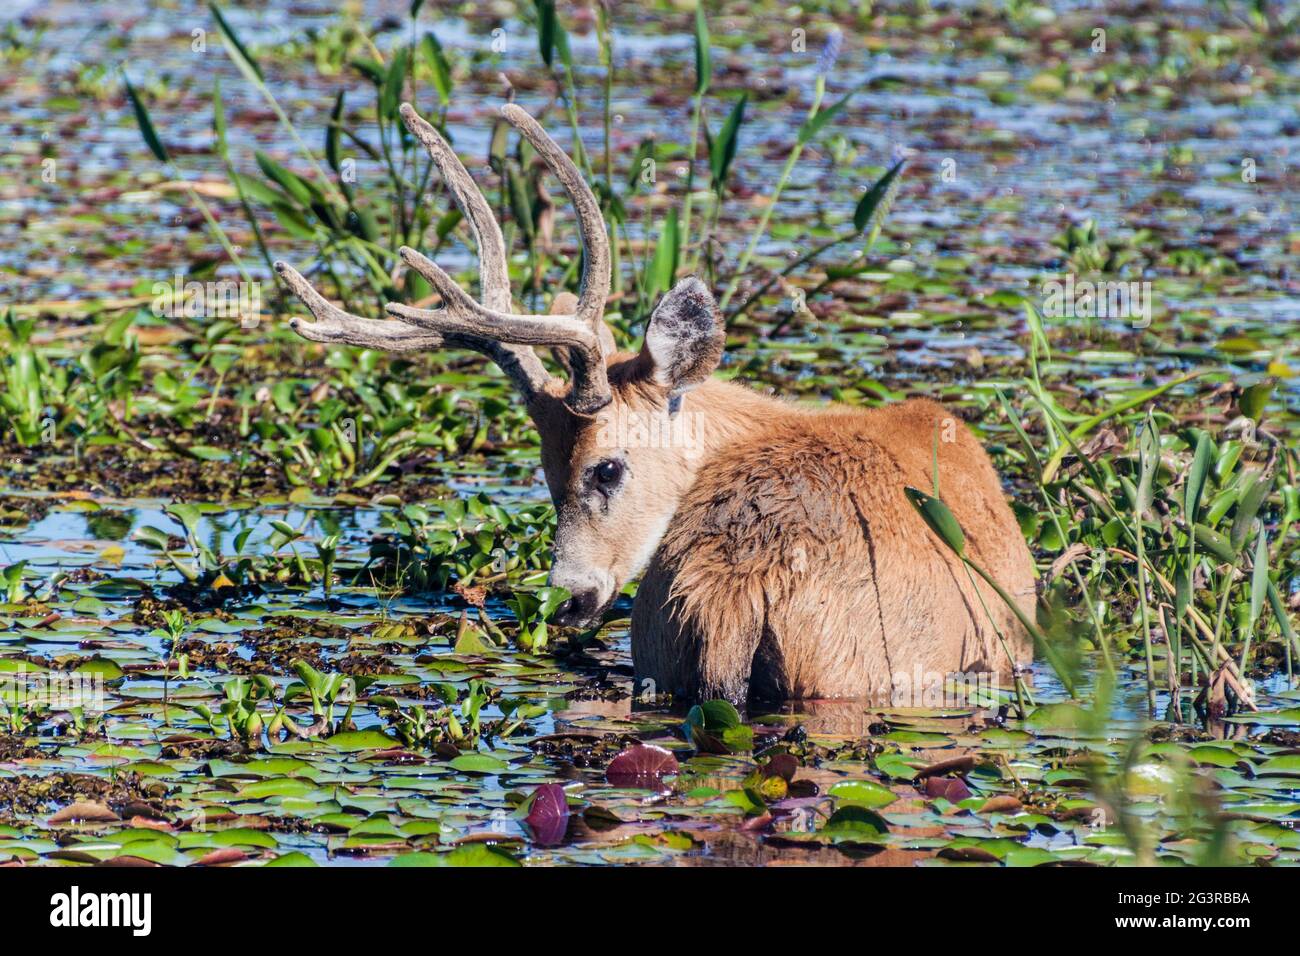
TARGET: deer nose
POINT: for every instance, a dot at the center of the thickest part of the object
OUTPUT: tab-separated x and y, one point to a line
579	610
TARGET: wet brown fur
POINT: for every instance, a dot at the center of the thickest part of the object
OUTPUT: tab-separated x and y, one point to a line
792	565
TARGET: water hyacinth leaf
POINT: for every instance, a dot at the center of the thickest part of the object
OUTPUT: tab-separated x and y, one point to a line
715	727
546	29
1148	463
351	741
722	150
442	79
281	534
662	269
390	96
238	52
819	120
703	56
1259	576
240	836
718	715
187	515
550	599
896	766
848	270
481	855
1197	475
1029	856
152	537
312	679
101	667
1254	398
1215	543
740	740
939	519
145	123
1062	716
1286	765
474	855
478	763
1252	499
332	133
864	214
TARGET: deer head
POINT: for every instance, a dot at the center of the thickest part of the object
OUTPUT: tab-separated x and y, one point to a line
613	453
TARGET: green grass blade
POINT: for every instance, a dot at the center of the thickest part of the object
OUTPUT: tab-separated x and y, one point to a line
145	123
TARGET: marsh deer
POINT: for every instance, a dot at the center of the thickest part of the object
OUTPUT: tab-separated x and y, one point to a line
778	553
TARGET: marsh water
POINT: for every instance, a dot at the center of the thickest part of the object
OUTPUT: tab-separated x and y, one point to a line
1020	128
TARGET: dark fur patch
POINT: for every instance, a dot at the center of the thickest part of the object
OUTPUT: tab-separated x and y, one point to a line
687	312
767	677
688	317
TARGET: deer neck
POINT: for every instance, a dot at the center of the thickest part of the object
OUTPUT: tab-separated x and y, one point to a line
725	414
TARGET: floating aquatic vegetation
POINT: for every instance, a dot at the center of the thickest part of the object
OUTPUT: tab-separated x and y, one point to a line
271	603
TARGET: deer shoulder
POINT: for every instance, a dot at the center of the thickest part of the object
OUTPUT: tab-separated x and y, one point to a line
796	567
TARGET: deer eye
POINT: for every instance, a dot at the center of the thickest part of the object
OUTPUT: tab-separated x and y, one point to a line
608	472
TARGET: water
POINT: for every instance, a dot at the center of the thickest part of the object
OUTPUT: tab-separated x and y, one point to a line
1024	168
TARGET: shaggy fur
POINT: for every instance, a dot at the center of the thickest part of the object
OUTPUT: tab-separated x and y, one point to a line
784	560
781	557
795	567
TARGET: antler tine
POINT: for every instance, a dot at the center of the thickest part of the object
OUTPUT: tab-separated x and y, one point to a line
489	327
494	276
520	362
334	325
462	316
591	225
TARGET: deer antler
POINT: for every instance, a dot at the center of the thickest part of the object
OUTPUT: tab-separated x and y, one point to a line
489	327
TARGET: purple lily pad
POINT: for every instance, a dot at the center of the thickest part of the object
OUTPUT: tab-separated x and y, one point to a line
641	766
548	817
952	789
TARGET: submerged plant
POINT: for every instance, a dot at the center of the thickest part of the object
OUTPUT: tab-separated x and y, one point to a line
532	610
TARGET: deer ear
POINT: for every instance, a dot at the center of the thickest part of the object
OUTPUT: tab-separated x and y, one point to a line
685	337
